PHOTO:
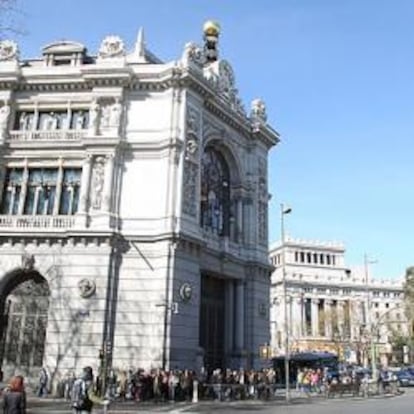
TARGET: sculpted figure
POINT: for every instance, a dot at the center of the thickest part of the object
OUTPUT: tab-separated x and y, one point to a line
94	114
97	183
4	118
115	114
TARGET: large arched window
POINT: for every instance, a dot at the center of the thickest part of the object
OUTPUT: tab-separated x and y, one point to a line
215	193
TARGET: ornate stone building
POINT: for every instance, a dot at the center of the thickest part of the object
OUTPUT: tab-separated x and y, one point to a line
134	203
331	307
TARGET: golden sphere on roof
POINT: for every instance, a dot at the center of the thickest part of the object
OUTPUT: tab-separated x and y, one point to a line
211	28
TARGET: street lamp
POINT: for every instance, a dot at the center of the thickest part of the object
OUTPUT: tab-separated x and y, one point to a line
283	211
367	262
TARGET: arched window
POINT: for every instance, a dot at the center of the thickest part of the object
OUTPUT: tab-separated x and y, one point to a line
215	203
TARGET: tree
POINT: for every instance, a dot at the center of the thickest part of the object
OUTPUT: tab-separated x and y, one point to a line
8	13
409	296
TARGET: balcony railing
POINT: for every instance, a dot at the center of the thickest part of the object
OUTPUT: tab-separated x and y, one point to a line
55	135
36	222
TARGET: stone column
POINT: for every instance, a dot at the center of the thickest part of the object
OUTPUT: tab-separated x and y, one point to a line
315	317
229	321
85	183
240	220
59	183
341	317
328	317
107	190
239	317
3	171
297	318
23	192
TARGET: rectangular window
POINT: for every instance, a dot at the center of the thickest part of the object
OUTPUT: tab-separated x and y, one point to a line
40	195
24	121
70	191
50	121
80	119
41	191
11	191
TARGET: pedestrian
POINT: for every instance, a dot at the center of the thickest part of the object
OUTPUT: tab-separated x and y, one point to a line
83	397
14	400
43	380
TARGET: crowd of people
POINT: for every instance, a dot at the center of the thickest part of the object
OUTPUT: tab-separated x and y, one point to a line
178	385
158	385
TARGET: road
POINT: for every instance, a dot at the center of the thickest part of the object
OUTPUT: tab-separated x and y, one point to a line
402	404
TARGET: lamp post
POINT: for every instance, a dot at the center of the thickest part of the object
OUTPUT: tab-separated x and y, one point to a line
283	211
370	327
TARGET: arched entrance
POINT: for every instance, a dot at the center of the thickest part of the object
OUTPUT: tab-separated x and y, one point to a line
24	302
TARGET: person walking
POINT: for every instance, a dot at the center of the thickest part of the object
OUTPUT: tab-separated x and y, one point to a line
83	397
43	381
14	400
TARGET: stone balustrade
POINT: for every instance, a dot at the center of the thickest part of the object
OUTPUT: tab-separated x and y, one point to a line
54	135
36	222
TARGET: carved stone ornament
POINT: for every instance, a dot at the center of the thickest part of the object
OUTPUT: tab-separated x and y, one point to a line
98	182
111	47
258	111
28	261
194	54
221	75
87	288
186	292
8	50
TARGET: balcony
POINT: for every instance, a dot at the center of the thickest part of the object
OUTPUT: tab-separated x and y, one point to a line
48	135
36	222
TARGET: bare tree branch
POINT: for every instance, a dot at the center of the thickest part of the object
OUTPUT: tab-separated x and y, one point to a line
9	14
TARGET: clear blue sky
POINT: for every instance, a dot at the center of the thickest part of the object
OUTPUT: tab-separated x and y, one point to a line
338	80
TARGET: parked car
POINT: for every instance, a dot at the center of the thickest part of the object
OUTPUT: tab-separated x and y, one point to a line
404	377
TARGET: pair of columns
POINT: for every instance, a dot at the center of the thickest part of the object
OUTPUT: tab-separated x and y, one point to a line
234	324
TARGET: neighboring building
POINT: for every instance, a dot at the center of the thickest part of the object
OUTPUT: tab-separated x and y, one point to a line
134	207
328	303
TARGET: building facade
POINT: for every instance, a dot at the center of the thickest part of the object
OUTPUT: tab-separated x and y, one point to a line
331	307
134	203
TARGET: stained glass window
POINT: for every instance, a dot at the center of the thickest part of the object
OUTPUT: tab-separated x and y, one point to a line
215	193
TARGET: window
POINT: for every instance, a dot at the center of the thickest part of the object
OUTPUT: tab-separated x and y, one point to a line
309	257
12	190
321	258
70	191
315	258
387	305
333	260
296	256
328	259
215	193
52	120
302	257
40	191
